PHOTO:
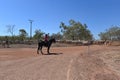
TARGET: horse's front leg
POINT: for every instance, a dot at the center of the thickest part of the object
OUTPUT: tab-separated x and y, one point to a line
38	50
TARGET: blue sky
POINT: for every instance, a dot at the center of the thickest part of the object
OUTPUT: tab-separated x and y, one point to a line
99	15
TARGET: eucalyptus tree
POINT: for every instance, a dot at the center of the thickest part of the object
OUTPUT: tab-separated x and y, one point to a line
75	31
38	34
22	34
113	33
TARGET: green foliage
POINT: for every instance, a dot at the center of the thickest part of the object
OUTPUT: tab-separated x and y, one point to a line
38	34
23	34
75	31
57	36
112	33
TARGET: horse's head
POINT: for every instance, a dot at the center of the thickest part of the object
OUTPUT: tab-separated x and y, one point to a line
52	40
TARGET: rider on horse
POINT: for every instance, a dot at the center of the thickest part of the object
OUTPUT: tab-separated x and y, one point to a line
46	38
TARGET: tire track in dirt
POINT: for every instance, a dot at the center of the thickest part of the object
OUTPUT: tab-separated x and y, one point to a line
82	64
17	69
43	67
91	67
69	69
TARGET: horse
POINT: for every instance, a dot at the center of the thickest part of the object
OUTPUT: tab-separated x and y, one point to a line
45	44
5	44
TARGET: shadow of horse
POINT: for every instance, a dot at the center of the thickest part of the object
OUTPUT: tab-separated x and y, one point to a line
54	54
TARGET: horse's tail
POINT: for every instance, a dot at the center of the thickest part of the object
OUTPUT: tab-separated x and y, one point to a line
39	42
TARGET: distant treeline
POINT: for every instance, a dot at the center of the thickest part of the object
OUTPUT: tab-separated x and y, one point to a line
113	33
73	31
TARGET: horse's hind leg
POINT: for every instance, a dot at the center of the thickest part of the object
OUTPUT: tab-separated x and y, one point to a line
41	50
38	50
3	45
7	44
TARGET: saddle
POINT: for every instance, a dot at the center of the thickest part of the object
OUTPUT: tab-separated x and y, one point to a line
46	43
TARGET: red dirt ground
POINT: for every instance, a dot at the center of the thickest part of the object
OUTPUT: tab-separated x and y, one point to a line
64	63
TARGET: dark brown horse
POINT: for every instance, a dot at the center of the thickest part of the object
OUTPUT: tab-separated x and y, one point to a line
5	44
45	44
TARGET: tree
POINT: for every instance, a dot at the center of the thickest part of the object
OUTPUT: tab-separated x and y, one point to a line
57	36
38	34
103	36
10	29
75	31
23	34
113	33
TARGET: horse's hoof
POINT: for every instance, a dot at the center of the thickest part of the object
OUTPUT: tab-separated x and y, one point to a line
37	52
48	53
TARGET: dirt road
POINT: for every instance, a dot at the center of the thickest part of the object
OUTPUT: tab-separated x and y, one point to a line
65	63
